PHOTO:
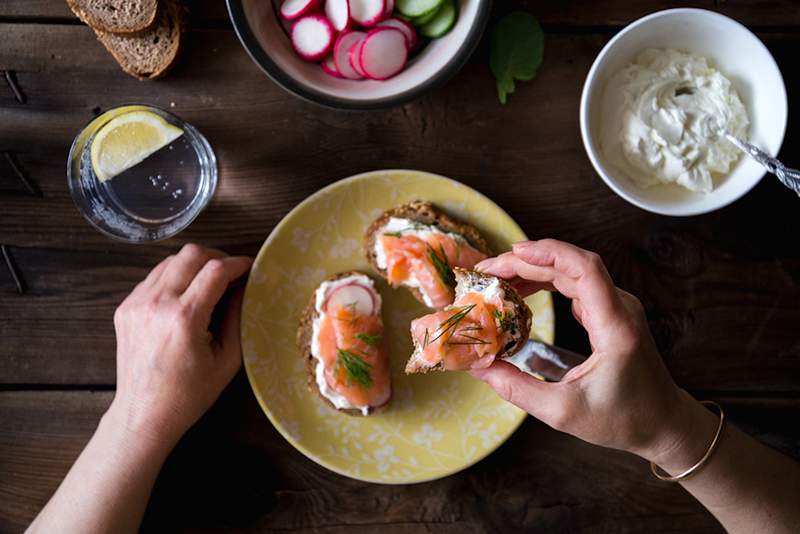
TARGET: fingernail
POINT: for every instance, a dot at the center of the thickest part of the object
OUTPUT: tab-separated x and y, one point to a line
484	264
523	245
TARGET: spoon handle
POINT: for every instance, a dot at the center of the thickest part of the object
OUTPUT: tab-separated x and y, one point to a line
788	176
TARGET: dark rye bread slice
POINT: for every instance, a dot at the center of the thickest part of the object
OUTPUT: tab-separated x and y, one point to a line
116	16
519	327
424	213
304	335
150	54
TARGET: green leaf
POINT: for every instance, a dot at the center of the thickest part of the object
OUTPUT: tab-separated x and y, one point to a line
356	369
517	49
368	339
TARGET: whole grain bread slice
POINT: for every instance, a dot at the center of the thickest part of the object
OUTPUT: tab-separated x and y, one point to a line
518	326
304	335
424	213
116	16
150	54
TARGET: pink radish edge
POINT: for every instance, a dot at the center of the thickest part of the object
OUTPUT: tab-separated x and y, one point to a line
400	24
367	12
341	51
329	66
389	9
305	6
375	53
336	10
355	58
311	23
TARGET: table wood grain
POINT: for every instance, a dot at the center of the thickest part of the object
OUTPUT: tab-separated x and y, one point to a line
721	290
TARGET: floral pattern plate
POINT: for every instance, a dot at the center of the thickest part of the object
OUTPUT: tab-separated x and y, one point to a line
436	424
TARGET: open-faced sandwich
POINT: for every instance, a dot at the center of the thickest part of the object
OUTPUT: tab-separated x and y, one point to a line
488	320
341	339
417	246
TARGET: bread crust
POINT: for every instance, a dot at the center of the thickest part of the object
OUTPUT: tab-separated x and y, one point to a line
100	25
523	318
304	335
170	12
426	213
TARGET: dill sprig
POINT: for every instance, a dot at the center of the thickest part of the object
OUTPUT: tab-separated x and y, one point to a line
356	369
503	319
394	234
368	339
451	322
442	268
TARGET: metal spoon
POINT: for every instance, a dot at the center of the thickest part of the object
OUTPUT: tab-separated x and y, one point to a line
788	177
545	361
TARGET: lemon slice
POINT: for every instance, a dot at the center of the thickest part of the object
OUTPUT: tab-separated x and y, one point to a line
127	140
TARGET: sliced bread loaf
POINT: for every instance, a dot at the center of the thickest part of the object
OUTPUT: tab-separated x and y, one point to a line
116	16
150	54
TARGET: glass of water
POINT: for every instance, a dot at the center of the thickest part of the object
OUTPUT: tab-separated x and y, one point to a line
156	198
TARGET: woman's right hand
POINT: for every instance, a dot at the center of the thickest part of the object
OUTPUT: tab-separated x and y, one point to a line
622	396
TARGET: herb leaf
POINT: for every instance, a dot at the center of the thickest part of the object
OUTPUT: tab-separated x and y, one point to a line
393	234
442	267
503	319
517	49
356	369
451	322
368	339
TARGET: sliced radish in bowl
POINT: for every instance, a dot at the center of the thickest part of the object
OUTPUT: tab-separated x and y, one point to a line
292	9
355	58
329	66
387	12
341	53
407	29
312	37
367	12
384	53
338	13
354	296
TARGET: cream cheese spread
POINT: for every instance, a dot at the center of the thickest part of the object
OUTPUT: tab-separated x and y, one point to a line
662	117
338	400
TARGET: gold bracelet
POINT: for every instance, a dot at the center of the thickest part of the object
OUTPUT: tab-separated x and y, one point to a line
696	467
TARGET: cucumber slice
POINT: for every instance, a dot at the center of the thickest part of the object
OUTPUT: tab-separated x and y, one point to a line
416	8
426	18
442	22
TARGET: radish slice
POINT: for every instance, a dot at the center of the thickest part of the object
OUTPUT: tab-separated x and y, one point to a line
292	9
338	13
355	58
384	53
389	9
351	295
312	37
329	66
407	29
367	12
341	51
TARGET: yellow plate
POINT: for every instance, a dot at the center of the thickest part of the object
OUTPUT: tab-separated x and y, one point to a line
436	424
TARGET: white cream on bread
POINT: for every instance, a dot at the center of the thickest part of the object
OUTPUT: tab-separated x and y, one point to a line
320	296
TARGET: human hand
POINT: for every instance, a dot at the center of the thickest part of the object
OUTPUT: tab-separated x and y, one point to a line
170	369
622	396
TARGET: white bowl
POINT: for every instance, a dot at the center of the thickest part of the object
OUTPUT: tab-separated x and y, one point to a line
265	39
737	54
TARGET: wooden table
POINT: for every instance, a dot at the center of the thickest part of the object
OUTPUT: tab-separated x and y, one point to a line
721	290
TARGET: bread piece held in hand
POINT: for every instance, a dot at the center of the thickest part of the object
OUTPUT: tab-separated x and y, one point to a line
488	320
116	16
416	246
341	340
150	54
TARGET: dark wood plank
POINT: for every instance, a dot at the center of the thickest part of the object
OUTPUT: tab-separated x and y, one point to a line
756	13
233	471
735	271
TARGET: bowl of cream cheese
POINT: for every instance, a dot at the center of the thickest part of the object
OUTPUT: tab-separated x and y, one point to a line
659	94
